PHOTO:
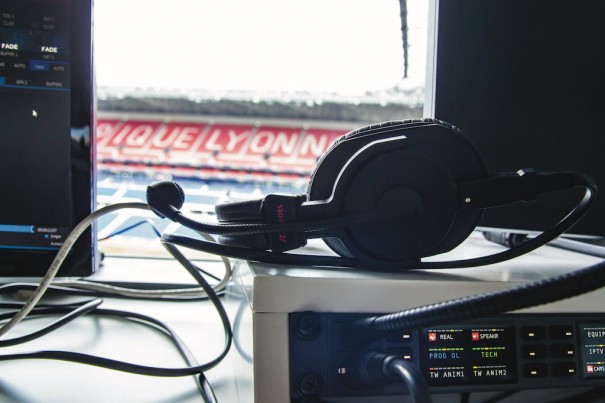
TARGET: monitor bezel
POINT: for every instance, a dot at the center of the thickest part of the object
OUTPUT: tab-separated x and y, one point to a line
82	258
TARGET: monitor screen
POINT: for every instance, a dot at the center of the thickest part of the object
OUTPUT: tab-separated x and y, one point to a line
46	174
524	81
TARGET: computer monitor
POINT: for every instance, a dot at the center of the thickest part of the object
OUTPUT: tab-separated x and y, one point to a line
46	141
525	81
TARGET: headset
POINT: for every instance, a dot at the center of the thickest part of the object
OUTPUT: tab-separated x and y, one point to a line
381	197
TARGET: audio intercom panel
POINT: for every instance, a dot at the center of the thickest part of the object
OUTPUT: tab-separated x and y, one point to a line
507	352
46	141
270	304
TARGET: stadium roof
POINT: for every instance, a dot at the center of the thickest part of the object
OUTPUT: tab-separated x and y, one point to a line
394	103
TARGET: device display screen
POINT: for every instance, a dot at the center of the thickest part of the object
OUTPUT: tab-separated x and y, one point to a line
526	95
592	346
35	114
41	138
468	355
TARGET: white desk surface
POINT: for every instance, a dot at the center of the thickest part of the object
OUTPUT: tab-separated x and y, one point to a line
274	288
197	323
199	326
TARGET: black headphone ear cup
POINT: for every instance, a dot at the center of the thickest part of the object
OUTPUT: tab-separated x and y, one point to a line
406	167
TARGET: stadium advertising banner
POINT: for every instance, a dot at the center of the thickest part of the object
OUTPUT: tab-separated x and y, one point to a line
212	147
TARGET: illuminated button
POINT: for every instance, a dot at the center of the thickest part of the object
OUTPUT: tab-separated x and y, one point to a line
562	350
533	332
405	353
534	351
560	332
535	370
563	369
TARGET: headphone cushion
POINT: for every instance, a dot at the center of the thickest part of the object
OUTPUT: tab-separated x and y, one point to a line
245	211
240	211
413	166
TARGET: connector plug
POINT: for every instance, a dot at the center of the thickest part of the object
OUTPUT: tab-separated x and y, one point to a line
375	368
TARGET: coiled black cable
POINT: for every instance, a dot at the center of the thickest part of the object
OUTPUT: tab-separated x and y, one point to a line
202	383
461	309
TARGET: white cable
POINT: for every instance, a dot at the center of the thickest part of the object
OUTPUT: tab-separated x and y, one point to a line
133	292
184	293
58	261
71	239
154	294
160	293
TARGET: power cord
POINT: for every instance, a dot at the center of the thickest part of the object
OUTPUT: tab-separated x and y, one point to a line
398	368
375	368
68	317
155	324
